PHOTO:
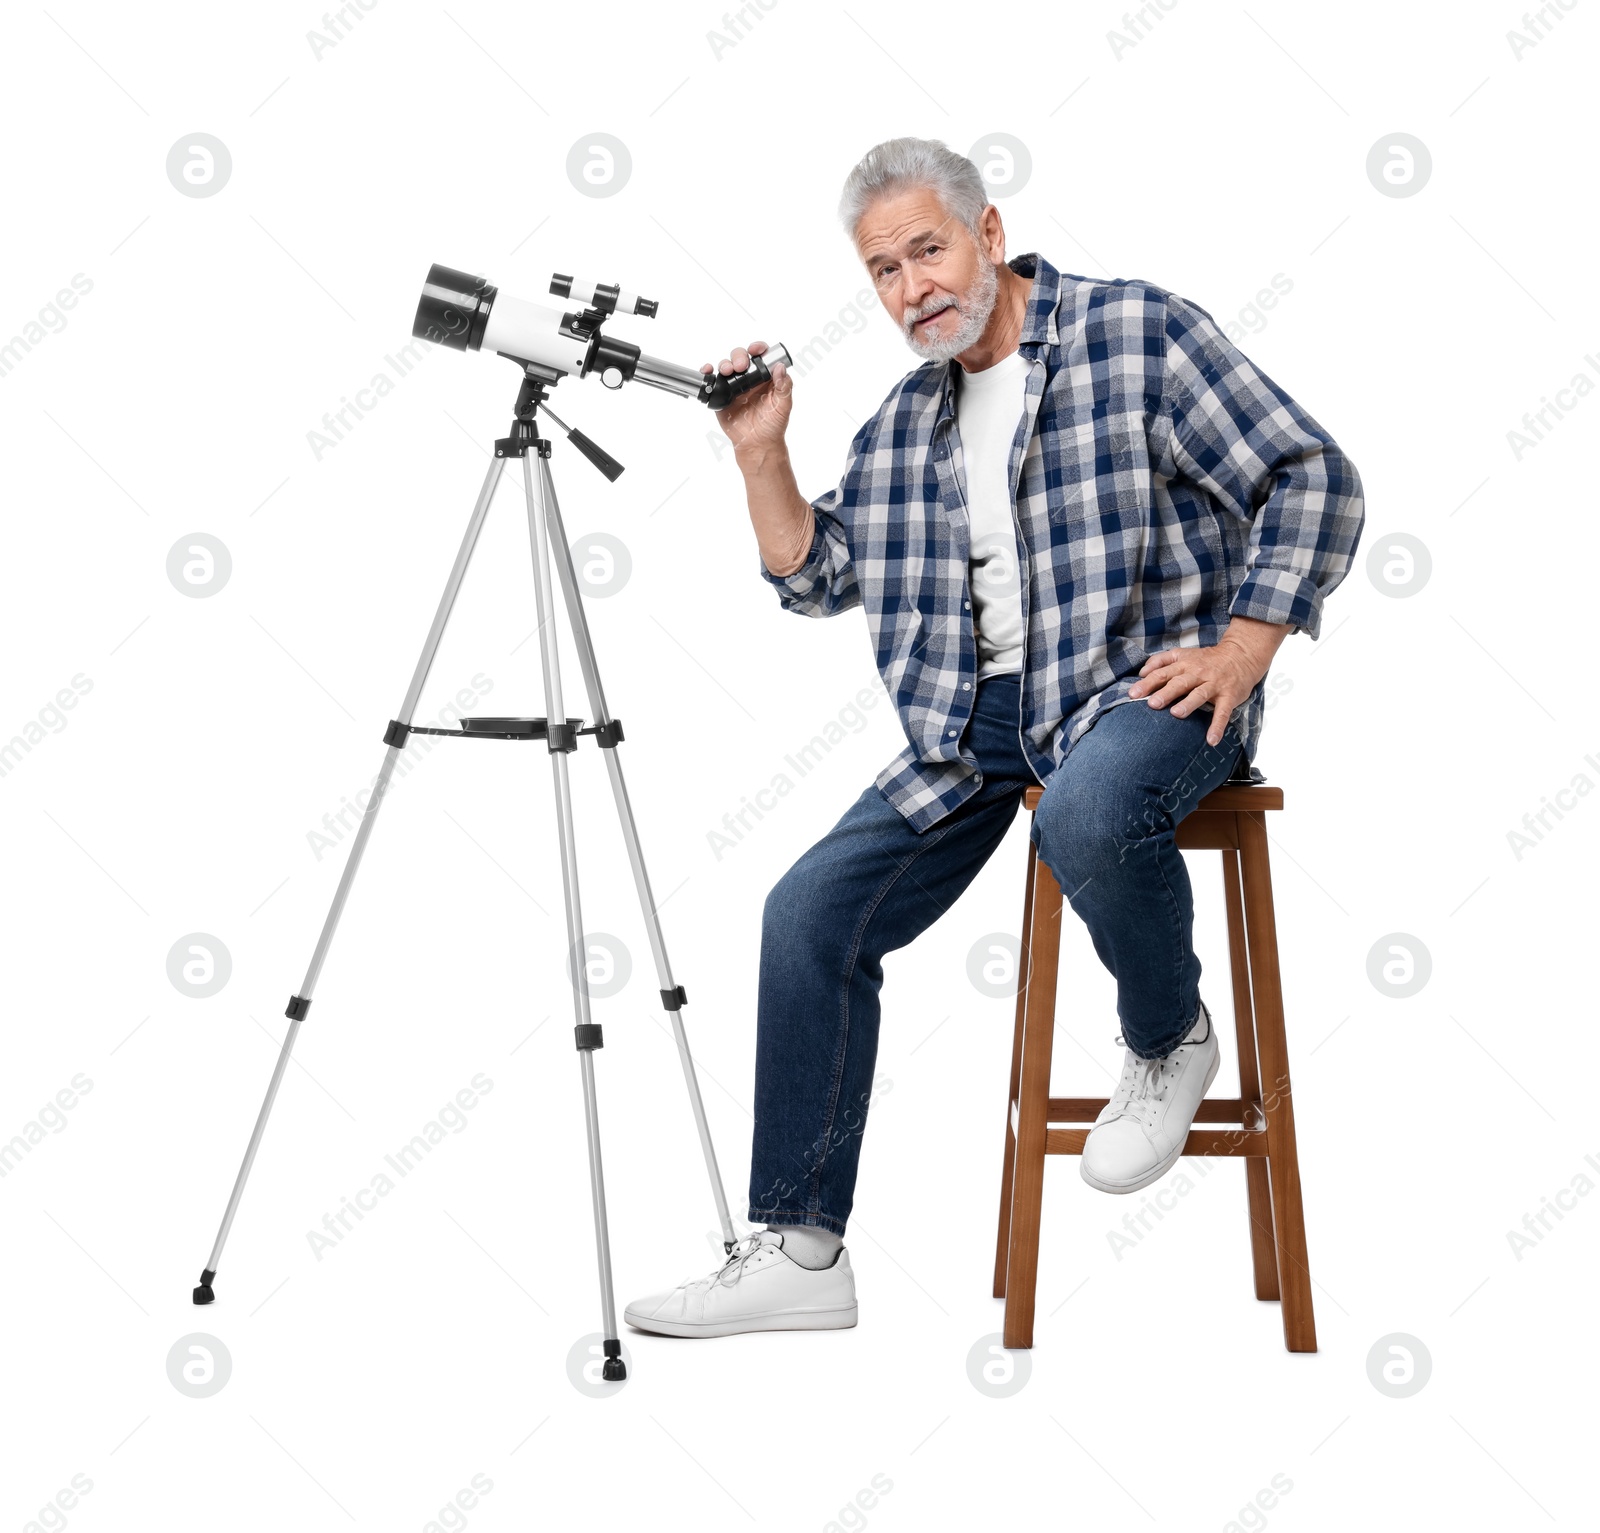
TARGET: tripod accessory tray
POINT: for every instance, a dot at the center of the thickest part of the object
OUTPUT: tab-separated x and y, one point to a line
561	737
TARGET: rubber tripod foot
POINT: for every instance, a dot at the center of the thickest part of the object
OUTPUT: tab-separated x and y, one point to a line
613	1372
205	1294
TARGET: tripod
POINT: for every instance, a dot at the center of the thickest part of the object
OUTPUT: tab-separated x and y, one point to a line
560	734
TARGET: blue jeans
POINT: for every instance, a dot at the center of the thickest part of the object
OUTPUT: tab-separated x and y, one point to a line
1105	829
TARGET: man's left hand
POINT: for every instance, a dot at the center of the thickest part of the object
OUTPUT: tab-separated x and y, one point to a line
1223	674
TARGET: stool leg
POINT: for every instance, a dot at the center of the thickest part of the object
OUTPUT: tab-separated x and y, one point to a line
1294	1272
1263	1247
1033	1105
1024	963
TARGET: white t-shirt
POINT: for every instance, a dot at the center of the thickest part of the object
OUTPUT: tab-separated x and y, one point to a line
988	406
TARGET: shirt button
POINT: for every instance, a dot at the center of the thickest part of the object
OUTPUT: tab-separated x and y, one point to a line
966	604
952	734
966	686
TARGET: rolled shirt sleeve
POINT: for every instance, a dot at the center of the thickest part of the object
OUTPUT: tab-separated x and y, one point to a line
1239	436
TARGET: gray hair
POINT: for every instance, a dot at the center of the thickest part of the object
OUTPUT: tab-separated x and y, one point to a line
900	163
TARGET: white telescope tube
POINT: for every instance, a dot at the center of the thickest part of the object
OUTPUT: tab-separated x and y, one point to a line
532	333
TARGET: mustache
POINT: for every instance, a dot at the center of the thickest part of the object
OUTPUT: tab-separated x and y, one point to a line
927	310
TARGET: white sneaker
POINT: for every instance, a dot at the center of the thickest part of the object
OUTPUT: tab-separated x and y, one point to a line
757	1288
1141	1131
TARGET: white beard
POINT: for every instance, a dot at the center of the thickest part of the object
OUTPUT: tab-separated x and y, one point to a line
975	306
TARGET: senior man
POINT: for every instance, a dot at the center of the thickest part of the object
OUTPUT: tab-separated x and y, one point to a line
1079	531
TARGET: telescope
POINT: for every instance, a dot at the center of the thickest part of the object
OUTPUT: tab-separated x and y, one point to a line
466	313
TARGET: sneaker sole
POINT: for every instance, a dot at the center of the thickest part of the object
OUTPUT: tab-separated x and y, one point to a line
1165	1166
781	1320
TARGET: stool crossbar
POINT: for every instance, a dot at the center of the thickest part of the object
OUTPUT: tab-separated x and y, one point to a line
1257	1126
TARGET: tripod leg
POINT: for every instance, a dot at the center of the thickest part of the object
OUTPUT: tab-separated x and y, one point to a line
587	1033
672	995
300	1004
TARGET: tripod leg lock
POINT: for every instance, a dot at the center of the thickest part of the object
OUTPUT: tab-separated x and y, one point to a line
588	1035
396	733
608	734
204	1294
563	737
613	1370
674	998
297	1008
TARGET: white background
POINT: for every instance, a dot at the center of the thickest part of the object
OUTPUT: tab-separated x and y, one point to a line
1217	150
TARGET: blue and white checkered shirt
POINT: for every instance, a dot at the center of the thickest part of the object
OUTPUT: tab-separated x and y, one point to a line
1162	485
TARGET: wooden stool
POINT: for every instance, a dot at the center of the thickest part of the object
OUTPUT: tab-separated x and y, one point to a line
1261	1129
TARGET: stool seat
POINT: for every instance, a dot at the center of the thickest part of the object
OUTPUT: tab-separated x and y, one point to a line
1230	797
1257	1127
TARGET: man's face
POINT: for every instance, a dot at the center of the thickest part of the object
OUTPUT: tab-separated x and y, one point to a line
931	275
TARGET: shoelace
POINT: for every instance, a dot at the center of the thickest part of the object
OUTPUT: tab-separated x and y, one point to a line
1142	1085
1144	1081
735	1262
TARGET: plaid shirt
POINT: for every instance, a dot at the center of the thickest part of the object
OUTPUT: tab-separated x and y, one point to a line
1162	484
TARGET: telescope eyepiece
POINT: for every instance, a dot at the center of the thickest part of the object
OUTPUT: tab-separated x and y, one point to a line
719	390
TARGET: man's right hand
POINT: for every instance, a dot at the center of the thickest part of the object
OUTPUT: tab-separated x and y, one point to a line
755	422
